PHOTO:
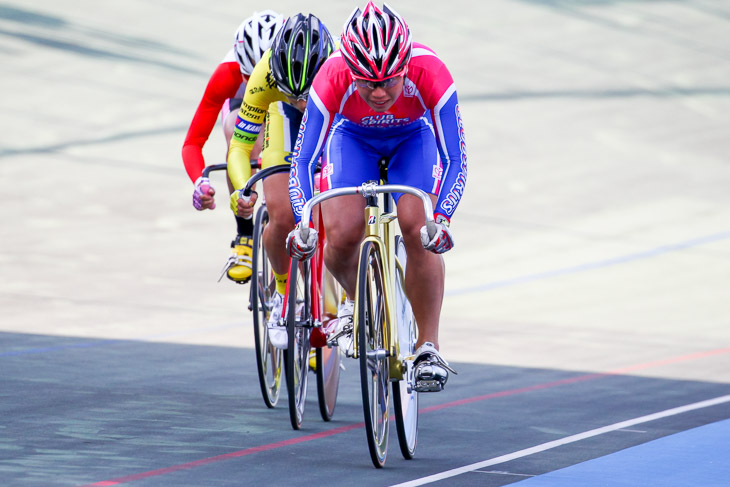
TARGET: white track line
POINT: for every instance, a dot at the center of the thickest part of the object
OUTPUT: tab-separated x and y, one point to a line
564	441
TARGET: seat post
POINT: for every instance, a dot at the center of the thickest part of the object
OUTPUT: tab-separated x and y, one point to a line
387	198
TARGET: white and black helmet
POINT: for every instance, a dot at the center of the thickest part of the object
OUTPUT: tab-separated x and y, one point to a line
254	37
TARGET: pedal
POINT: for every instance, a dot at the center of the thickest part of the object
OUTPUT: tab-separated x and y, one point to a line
231	262
226	266
332	340
430	385
428	378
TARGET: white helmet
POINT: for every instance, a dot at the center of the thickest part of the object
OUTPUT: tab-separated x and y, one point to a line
254	36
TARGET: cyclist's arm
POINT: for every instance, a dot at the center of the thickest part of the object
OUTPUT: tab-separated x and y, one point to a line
312	135
222	85
452	148
436	86
260	93
248	126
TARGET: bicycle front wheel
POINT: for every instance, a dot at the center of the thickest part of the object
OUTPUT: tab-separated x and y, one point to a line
405	399
299	326
373	352
268	357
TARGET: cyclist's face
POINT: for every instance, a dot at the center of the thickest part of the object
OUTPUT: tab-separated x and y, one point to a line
298	104
381	98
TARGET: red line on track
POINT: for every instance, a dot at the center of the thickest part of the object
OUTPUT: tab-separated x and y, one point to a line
344	429
580	378
227	456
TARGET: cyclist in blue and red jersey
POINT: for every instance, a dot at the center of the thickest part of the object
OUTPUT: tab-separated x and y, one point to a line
223	95
383	96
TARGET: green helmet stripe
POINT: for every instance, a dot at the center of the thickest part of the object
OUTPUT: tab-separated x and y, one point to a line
304	68
288	65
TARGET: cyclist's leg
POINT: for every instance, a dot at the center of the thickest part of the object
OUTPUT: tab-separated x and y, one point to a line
276	188
424	273
282	126
416	163
349	161
344	226
280	122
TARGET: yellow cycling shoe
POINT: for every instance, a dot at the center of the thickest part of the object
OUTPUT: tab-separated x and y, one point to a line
238	266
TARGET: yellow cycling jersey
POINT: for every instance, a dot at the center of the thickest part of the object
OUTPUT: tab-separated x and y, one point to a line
262	97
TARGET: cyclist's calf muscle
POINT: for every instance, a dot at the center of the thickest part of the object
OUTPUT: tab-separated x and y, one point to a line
281	220
424	273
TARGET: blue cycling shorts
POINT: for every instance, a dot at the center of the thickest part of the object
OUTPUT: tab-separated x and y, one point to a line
352	153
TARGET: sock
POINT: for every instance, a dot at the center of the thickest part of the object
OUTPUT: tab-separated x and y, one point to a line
244	226
281	282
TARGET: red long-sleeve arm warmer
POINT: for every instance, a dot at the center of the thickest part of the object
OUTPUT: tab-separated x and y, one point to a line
223	84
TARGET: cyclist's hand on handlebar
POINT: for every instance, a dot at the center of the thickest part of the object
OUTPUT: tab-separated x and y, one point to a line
241	205
441	242
203	195
298	247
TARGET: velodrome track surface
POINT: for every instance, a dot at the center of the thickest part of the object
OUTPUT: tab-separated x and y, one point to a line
587	298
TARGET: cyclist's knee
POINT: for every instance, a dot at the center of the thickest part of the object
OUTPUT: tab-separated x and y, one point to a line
281	218
344	223
412	237
410	218
344	238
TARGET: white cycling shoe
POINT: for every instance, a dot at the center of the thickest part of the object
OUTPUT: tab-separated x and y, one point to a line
430	370
342	333
275	326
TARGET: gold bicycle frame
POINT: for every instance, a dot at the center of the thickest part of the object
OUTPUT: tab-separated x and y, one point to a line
379	230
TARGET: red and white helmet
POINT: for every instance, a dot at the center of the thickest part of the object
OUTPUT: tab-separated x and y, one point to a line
376	44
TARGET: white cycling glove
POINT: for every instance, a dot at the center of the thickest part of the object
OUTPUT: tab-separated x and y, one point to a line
442	241
297	247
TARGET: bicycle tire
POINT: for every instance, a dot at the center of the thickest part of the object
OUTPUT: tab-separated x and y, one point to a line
405	403
268	358
374	363
298	325
328	358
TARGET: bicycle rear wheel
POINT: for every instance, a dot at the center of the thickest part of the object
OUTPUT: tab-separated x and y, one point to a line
373	354
405	402
298	325
268	357
328	358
